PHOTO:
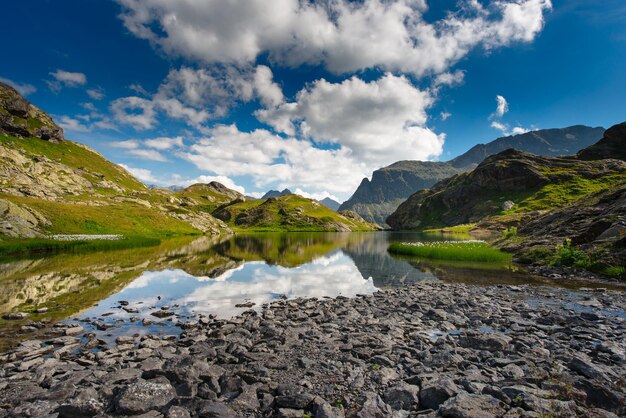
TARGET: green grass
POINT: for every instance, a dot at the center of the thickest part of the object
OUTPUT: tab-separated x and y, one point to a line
509	232
457	229
616	272
36	246
75	156
561	193
458	251
128	219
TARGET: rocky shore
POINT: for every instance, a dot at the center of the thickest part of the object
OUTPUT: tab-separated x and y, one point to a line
429	350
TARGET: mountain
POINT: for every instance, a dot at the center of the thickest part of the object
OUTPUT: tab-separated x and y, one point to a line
375	199
330	203
390	186
207	197
513	188
548	142
288	213
612	145
50	185
275	193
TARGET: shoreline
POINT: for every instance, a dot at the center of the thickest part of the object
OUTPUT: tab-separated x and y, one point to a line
434	349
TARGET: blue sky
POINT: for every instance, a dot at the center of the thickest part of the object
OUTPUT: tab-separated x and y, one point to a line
310	96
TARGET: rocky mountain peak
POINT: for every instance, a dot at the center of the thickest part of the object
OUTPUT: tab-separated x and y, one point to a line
612	145
18	117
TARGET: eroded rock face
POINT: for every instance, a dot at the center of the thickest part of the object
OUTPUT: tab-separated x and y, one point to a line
17	221
20	118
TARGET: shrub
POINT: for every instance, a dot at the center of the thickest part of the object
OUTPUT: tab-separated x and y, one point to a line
569	255
510	232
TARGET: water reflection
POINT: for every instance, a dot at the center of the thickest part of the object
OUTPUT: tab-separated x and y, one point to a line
212	276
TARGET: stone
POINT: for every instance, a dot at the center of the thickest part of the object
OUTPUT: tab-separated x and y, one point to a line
84	404
12	316
177	412
486	341
374	407
402	396
216	410
437	393
143	396
326	410
466	405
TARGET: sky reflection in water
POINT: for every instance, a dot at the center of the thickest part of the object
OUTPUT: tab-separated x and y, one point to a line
330	275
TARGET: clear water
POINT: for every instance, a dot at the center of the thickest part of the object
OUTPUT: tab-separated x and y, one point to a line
204	276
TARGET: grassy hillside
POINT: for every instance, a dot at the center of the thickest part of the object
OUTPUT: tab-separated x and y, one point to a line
505	187
288	213
67	188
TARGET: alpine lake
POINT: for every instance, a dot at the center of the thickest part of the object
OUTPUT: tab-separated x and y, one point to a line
157	289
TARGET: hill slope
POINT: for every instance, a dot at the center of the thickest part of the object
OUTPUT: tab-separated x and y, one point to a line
548	199
49	185
390	186
511	182
288	212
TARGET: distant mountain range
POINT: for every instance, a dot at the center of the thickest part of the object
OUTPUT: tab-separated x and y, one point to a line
376	199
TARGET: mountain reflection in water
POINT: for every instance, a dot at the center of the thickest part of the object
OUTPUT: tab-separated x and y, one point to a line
213	275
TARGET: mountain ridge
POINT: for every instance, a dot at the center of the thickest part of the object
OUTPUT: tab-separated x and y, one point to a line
376	199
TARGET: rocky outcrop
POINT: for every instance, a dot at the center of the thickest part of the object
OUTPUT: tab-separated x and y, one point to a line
597	223
17	221
612	145
378	198
39	176
511	351
507	179
18	117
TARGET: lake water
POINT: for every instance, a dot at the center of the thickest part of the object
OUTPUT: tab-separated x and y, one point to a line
118	292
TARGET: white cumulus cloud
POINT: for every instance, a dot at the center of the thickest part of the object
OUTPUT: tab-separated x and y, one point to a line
381	121
343	35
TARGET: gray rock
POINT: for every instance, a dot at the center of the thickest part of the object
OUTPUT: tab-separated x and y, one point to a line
216	410
437	393
177	412
374	407
486	341
465	405
85	404
143	396
403	396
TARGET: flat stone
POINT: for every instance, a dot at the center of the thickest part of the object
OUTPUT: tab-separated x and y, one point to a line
143	396
465	405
